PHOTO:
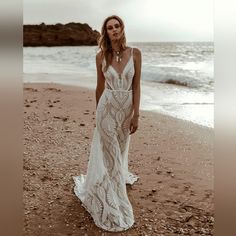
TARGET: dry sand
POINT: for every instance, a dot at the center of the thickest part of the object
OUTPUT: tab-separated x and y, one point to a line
172	157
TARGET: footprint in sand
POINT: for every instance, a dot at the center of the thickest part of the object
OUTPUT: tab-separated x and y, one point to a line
208	194
186	188
30	89
170	172
60	117
53	89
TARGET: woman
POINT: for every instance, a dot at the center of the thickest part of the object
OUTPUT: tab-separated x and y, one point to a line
103	190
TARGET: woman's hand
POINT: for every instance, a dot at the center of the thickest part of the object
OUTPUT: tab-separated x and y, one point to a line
133	124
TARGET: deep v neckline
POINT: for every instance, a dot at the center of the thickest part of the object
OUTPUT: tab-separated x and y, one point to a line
124	66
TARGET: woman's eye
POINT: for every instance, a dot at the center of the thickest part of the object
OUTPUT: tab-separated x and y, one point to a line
110	27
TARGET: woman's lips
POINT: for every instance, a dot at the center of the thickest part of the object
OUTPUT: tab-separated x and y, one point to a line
115	34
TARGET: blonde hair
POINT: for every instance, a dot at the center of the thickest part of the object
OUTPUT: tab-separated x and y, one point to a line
104	42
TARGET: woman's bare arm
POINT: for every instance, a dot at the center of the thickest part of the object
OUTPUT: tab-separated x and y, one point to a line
100	78
136	80
136	90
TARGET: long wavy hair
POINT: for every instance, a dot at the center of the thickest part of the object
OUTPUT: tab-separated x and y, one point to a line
104	42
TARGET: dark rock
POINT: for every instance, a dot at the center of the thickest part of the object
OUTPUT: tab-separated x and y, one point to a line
71	34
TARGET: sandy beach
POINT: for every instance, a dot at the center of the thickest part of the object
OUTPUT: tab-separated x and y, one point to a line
172	157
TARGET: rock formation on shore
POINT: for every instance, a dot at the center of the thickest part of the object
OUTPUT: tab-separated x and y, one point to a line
71	34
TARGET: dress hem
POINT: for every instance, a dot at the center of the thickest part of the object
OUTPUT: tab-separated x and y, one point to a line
97	224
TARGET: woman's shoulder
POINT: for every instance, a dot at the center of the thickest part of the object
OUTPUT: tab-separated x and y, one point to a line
99	56
137	53
136	50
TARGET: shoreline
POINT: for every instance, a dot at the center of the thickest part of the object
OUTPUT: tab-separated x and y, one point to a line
89	84
172	157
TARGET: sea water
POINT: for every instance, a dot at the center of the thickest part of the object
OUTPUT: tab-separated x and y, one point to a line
177	78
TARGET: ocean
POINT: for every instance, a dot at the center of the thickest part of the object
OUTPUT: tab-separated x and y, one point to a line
177	77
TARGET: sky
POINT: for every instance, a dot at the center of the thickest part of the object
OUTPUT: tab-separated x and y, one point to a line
145	20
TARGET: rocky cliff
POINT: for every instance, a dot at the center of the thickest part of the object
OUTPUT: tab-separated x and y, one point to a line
71	34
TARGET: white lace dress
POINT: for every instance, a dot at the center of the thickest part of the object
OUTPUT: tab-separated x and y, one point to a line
102	190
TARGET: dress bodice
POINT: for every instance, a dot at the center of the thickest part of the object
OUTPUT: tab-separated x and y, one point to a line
119	81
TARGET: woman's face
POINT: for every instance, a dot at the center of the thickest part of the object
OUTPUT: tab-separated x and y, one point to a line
113	28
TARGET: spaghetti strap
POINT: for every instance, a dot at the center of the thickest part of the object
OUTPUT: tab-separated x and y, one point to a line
132	51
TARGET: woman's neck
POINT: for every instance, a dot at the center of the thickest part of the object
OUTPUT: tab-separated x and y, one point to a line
115	46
